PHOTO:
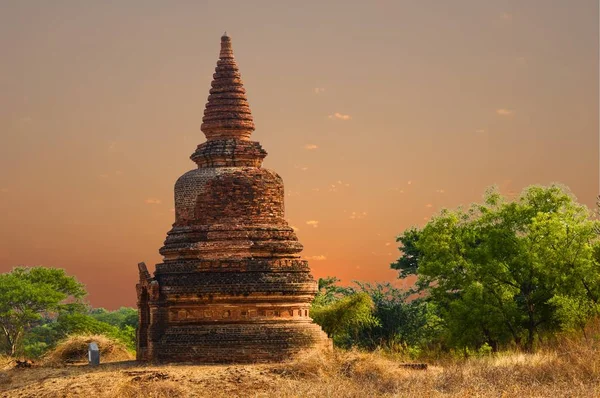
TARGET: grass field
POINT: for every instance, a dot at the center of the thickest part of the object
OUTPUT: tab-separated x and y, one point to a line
570	369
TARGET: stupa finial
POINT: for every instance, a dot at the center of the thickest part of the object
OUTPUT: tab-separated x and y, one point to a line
227	114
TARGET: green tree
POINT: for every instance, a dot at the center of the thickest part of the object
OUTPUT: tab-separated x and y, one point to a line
345	317
508	271
403	321
27	293
124	316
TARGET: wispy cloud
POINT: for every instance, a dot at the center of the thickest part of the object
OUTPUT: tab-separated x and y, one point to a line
301	168
340	116
506	16
319	90
296	229
429	205
320	257
338	184
388	244
103	176
314	223
504	112
358	215
409	182
480	131
440	191
153	201
310	147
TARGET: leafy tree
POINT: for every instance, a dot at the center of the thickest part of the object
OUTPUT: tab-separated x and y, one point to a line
124	316
329	292
408	263
45	336
26	294
508	271
343	319
402	321
392	318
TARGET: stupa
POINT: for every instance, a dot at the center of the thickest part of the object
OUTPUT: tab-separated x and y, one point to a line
232	286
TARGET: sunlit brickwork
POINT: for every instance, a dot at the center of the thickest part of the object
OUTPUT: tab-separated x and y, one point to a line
232	286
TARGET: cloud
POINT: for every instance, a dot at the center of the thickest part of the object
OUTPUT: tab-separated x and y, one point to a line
314	223
428	205
4	190
440	191
506	16
409	182
172	210
103	176
310	147
296	229
119	172
504	112
480	131
357	215
339	116
320	257
319	90
316	189
301	168
153	201
388	244
338	184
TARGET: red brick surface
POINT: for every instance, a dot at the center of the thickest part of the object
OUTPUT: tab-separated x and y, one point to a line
232	286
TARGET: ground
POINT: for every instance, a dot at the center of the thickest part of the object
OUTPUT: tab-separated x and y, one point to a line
333	374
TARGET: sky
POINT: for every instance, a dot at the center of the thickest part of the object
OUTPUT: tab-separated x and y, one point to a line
376	114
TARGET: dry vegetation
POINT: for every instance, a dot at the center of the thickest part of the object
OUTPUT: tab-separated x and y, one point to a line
75	349
571	368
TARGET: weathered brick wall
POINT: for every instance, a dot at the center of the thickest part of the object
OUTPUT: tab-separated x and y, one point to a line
232	286
245	194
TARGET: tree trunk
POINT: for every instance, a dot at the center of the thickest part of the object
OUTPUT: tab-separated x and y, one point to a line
530	331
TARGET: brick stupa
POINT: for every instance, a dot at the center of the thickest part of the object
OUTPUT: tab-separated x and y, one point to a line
232	286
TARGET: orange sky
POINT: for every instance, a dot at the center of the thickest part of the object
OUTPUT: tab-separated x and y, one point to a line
376	114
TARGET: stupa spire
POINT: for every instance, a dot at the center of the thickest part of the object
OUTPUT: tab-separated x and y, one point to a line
227	114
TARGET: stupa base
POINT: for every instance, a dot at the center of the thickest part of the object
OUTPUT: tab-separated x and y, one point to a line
235	343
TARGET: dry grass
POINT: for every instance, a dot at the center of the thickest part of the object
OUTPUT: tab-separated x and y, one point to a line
75	349
570	369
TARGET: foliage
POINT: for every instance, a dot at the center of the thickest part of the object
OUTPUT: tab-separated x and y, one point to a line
124	316
392	318
40	306
28	293
45	337
343	318
407	264
508	272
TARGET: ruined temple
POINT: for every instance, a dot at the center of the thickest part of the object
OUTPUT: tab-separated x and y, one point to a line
232	286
